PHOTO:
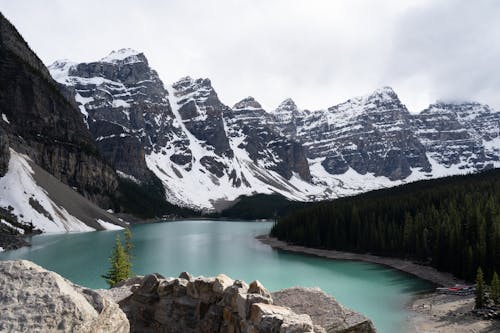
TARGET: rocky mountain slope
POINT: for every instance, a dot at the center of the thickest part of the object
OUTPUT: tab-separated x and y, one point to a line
206	154
47	155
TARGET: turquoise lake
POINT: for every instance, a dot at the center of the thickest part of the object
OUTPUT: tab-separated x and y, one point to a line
212	247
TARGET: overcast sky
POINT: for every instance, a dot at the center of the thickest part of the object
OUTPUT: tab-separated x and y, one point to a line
318	52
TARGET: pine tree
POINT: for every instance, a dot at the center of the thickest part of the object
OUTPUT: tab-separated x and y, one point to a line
120	265
480	298
495	288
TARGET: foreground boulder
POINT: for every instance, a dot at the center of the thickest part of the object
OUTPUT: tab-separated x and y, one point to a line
33	299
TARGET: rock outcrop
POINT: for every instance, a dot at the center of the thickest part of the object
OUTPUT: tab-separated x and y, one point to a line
198	304
33	299
193	305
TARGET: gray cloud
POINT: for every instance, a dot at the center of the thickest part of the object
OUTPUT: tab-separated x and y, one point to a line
318	52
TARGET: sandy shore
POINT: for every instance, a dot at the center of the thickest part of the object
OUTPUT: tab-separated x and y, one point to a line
430	313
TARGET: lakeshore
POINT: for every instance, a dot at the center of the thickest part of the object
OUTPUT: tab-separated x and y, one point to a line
430	312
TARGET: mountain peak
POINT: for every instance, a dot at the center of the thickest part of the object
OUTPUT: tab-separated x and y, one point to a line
247	103
384	92
287	105
125	55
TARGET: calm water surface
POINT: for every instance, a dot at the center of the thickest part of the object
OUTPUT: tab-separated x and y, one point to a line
211	247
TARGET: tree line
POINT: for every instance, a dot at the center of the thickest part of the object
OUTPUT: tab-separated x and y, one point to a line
451	223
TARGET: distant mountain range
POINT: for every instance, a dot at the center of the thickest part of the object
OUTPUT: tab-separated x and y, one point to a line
207	154
79	141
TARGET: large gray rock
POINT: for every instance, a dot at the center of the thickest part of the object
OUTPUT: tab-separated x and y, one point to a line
327	314
33	299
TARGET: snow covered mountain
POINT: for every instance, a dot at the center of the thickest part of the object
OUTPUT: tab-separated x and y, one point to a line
207	154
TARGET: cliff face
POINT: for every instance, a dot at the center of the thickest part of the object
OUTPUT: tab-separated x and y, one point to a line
41	122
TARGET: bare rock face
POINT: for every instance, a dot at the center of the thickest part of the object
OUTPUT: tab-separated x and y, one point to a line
33	299
327	314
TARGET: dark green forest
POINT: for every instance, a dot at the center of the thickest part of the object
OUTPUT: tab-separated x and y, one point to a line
450	223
